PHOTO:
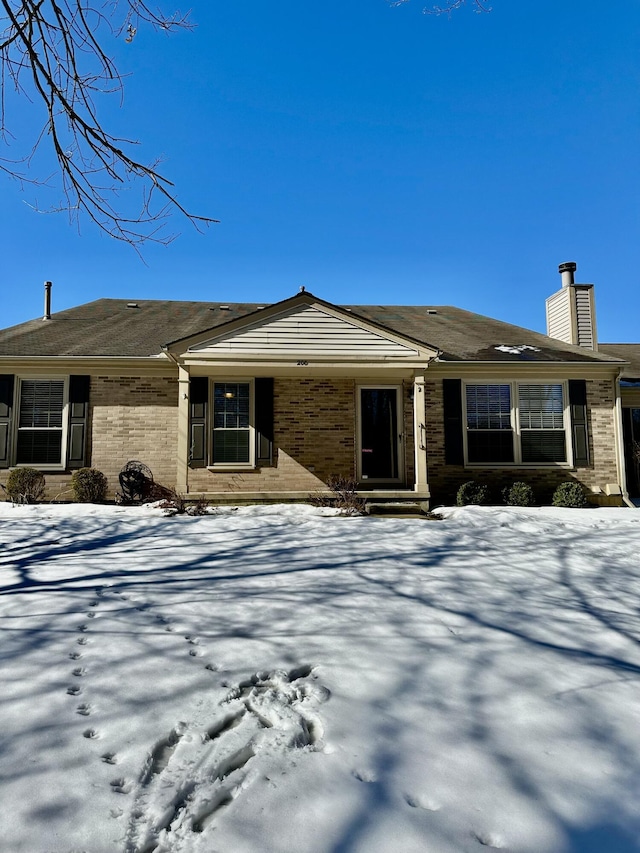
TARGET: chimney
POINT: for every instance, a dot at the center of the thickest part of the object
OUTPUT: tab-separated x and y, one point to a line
566	272
571	311
47	300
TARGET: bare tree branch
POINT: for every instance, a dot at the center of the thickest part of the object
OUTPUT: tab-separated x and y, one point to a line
453	5
449	7
51	52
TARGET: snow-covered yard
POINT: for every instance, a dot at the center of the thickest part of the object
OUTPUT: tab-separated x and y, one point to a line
275	680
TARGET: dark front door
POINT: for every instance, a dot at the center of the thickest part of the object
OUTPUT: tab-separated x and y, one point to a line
380	457
631	436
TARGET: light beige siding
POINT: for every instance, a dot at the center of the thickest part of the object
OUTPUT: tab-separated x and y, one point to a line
303	332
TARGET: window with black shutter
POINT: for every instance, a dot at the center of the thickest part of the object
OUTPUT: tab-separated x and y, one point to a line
41	422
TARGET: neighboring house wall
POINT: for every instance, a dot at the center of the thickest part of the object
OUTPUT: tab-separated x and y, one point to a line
445	479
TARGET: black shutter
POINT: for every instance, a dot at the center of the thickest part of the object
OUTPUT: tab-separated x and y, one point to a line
579	429
78	415
198	404
452	403
264	421
6	406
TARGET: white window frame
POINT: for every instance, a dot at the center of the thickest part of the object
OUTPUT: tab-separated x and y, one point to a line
51	466
232	466
516	430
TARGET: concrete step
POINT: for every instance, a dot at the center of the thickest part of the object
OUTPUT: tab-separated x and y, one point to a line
415	509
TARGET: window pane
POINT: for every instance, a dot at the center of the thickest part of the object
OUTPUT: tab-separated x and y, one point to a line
39	447
543	446
41	403
541	406
491	446
231	405
231	446
488	407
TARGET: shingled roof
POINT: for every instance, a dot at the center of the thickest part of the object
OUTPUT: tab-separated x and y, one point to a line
627	352
129	329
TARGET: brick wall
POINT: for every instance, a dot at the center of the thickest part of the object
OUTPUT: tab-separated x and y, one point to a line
314	435
130	417
133	417
444	480
314	428
314	438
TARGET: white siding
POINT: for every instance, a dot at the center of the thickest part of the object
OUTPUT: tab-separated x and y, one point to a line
306	332
584	316
559	316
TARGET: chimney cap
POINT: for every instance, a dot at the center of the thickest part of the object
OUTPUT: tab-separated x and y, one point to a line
569	266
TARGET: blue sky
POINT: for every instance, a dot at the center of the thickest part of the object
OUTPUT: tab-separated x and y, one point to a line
372	154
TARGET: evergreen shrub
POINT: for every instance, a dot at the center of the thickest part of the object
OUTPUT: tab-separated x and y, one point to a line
89	486
518	494
570	494
25	485
472	493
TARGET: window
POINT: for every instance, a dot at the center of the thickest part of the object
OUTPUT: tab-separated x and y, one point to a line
490	433
511	423
230	423
541	416
233	435
40	435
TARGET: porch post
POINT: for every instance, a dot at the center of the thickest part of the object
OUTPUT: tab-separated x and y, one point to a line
419	435
183	431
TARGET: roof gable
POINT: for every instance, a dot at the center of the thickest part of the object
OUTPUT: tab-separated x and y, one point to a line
307	329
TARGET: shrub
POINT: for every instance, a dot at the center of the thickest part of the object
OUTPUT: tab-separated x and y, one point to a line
89	486
344	496
472	493
518	494
175	503
25	486
569	494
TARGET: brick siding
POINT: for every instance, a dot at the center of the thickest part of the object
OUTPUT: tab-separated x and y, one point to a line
444	480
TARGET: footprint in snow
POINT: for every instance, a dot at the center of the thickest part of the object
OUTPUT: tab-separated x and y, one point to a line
74	691
187	779
109	758
75	655
82	641
417	802
488	839
90	734
365	776
83	628
120	786
84	710
79	672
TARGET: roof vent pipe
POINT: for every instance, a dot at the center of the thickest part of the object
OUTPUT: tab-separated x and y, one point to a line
566	271
47	300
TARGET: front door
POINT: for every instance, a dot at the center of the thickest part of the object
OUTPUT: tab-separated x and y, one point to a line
631	436
380	455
